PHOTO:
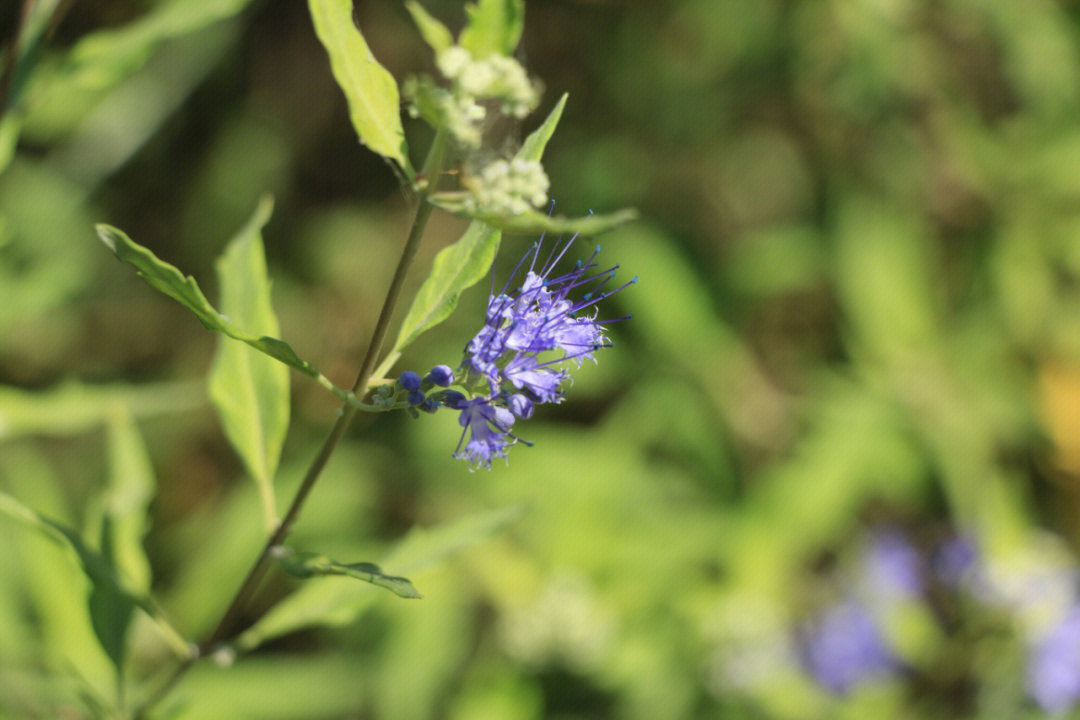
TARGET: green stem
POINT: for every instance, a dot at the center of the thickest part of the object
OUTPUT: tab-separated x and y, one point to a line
226	626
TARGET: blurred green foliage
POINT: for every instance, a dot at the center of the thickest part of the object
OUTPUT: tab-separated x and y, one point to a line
859	309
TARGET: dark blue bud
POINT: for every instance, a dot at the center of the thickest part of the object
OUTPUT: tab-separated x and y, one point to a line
442	375
429	406
521	406
416	398
453	399
409	380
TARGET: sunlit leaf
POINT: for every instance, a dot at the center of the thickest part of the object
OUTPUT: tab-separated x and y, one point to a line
370	89
460	266
434	32
455	269
250	390
533	221
307	565
534	145
493	26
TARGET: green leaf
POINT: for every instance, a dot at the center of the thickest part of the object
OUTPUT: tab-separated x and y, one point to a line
370	89
534	221
493	26
167	279
456	268
307	565
111	604
533	147
127	502
250	390
459	266
72	407
63	93
330	601
434	32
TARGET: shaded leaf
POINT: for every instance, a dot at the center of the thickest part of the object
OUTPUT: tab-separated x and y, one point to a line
103	59
434	32
111	604
73	407
167	279
493	26
370	89
250	390
127	502
306	565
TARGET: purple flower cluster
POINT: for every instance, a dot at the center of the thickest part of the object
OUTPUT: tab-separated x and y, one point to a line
518	358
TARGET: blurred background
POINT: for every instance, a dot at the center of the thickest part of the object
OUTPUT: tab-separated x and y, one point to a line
831	467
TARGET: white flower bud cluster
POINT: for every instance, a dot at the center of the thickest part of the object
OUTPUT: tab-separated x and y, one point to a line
463	118
508	188
494	78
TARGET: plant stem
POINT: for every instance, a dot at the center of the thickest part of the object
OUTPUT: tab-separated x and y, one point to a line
226	626
258	571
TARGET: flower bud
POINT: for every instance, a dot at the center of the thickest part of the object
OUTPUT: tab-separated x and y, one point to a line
441	375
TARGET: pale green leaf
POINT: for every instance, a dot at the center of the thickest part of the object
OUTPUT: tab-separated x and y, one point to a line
533	147
534	221
331	601
111	603
127	502
167	279
101	60
73	407
456	268
434	32
493	26
250	390
308	565
370	89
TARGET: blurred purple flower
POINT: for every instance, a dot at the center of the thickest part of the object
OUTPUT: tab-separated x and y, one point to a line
1053	669
892	569
843	647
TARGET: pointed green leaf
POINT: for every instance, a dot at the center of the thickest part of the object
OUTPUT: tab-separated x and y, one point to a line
330	601
250	390
307	565
434	32
456	268
533	221
167	279
370	89
533	147
493	26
